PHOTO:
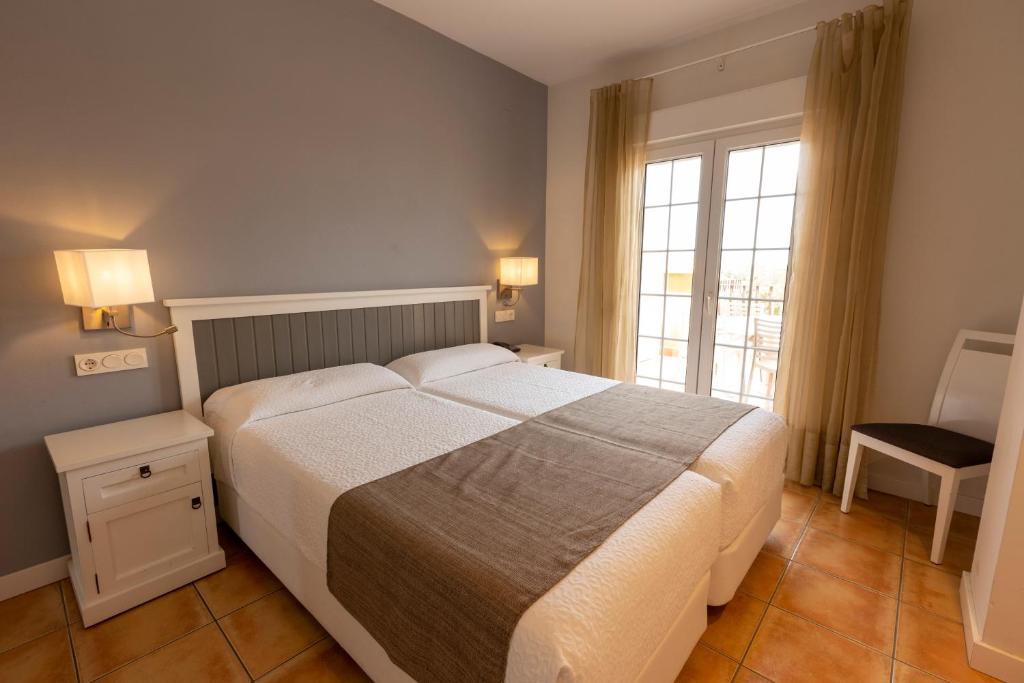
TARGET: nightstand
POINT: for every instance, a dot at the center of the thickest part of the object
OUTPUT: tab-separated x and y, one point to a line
540	355
138	502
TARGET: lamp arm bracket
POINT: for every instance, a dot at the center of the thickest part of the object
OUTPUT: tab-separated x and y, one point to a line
170	329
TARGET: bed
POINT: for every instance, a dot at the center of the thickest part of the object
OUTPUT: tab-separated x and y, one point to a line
747	461
302	413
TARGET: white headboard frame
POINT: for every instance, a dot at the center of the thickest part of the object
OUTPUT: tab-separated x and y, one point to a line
185	311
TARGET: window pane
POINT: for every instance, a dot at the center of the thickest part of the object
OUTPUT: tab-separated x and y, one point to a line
762	367
780	167
731	323
774	222
728	396
656	229
744	173
684	227
646	382
685	180
734	277
652	273
672	386
770	274
765	330
680	272
725	374
673	362
740	219
648	357
659	179
677	317
650	315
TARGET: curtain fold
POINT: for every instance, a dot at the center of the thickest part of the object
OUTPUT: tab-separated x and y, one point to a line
848	142
606	313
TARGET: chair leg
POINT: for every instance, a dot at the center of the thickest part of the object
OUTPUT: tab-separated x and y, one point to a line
852	466
944	515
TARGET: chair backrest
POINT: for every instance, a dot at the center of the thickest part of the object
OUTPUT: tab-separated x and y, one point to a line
767	332
970	392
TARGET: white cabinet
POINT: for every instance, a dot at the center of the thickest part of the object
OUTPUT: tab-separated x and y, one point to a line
138	502
540	355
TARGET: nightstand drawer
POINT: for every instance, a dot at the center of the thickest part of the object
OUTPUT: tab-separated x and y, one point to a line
124	485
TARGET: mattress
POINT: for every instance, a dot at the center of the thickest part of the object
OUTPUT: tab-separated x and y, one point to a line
747	461
603	621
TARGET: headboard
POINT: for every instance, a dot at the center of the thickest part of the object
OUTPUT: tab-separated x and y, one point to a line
228	340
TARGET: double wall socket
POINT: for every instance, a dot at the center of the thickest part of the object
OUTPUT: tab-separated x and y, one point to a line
110	361
505	316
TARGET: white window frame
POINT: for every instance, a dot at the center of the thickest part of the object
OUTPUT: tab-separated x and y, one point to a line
713	258
706	150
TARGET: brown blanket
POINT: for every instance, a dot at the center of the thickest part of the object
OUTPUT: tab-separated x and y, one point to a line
439	561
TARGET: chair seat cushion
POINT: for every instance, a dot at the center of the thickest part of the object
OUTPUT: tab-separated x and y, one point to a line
935	443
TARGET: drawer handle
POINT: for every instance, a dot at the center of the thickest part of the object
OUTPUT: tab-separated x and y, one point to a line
197	503
144	472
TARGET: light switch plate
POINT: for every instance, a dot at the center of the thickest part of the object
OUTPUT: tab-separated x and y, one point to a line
110	361
504	316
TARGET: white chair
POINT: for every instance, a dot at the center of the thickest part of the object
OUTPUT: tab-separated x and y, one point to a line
956	444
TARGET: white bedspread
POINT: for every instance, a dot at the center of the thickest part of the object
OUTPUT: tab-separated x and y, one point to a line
602	622
747	460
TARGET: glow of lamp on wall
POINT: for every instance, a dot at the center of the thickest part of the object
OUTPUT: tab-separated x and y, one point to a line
516	272
105	283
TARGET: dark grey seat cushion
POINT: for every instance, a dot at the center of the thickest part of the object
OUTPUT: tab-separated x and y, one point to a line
935	443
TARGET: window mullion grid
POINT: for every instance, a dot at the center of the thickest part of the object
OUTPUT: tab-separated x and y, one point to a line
744	376
664	294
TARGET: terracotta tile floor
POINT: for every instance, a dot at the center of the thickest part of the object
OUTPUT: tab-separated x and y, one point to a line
831	597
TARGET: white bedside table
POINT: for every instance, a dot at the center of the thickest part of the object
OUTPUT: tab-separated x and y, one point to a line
138	501
540	355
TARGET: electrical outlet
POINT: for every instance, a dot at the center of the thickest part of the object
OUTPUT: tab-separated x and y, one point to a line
110	361
504	316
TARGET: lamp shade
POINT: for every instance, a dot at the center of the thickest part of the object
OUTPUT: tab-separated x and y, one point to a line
95	278
518	271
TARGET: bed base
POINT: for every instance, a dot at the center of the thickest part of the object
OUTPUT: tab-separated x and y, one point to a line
734	561
306	582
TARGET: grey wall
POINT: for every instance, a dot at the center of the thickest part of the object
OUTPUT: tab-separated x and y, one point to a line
252	146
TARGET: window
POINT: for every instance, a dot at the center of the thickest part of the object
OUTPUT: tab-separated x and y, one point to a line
718	220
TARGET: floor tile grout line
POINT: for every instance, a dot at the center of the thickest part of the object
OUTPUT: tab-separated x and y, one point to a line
894	596
67	626
34	639
297	654
224	635
778	583
161	647
242	606
135	659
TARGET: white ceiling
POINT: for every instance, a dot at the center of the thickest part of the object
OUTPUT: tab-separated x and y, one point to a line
556	40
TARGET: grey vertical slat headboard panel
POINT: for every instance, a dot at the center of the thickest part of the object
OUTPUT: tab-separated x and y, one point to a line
234	350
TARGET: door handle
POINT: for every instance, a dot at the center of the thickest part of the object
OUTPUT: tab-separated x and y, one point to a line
709	303
197	503
145	472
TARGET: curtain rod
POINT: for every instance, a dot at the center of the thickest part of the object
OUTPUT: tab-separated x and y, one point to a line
720	55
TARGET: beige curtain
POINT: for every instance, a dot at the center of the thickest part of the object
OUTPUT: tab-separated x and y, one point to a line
850	129
606	313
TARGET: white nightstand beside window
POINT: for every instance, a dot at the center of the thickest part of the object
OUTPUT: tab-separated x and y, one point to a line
540	355
138	501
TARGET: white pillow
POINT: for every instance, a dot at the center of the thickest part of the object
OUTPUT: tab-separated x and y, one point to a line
231	408
430	366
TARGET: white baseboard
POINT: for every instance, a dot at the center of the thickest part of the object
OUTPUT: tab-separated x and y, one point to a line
31	578
1004	665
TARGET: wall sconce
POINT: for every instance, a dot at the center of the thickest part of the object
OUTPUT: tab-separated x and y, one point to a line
105	283
516	272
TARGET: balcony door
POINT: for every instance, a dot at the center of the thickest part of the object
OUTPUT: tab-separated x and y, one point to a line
718	221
